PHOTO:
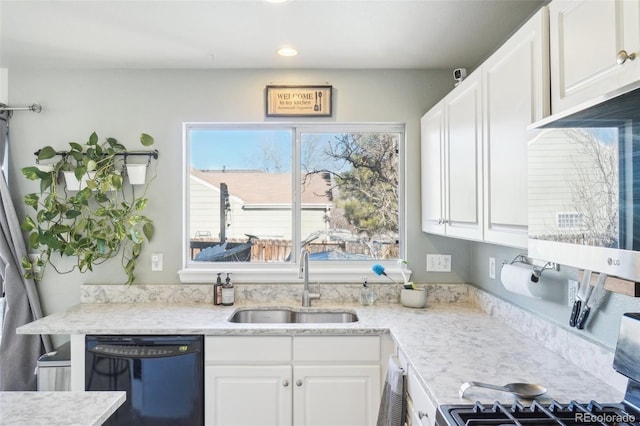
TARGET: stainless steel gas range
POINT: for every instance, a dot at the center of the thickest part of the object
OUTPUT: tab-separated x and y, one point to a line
570	413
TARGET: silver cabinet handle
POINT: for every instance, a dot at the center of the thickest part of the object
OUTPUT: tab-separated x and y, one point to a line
623	56
298	382
285	383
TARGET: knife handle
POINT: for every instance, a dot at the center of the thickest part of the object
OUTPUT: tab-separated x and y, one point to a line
582	319
575	312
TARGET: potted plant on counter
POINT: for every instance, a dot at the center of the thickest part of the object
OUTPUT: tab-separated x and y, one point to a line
94	222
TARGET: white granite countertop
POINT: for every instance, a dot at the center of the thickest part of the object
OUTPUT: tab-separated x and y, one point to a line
447	343
58	408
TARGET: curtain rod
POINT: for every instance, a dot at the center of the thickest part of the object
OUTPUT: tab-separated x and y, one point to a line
153	153
34	107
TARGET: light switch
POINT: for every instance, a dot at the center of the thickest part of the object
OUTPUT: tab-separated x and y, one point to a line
156	262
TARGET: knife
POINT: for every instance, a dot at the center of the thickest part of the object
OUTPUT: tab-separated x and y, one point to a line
594	301
584	288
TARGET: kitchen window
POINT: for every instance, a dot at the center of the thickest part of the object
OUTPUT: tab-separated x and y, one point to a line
257	194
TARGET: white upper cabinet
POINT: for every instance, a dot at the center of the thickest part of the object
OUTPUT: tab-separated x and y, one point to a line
432	165
452	163
516	93
474	143
463	159
592	46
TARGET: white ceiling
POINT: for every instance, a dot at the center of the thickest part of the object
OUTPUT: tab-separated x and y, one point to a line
348	34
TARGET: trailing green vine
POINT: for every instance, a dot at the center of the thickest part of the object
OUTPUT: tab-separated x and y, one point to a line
98	222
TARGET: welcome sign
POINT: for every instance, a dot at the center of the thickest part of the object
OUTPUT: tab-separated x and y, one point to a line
299	101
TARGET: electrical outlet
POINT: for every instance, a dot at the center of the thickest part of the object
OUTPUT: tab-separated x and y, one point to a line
492	268
573	291
156	262
438	263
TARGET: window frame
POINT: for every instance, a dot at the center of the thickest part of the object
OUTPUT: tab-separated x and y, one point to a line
288	272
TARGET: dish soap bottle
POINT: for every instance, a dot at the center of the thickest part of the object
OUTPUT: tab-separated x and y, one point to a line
217	290
228	292
366	294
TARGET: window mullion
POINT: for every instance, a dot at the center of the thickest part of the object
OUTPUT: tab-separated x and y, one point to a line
297	195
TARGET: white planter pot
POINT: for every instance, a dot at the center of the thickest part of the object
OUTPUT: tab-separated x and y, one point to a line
413	298
45	167
137	173
72	182
37	270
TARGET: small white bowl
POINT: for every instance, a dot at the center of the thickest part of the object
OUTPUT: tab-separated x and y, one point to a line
413	298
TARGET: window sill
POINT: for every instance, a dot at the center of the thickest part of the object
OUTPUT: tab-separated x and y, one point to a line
324	273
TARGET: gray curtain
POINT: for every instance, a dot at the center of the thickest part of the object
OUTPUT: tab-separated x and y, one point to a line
18	352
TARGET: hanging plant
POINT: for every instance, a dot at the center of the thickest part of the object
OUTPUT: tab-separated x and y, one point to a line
101	220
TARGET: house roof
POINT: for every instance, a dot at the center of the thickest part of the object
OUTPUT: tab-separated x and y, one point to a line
257	187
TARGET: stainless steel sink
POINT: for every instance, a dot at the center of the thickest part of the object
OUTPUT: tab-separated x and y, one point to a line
289	316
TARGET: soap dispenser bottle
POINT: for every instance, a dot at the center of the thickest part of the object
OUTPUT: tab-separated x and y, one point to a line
217	290
367	297
228	292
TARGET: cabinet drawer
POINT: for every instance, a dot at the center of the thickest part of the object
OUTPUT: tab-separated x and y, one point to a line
412	418
420	399
262	349
336	348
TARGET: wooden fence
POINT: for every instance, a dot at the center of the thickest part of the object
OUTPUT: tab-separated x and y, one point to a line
276	250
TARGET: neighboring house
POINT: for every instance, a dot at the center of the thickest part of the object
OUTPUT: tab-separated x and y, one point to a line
588	199
259	204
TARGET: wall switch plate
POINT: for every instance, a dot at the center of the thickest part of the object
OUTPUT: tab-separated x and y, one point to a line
573	291
438	263
156	262
492	268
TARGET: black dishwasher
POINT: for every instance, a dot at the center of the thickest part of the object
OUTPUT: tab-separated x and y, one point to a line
162	375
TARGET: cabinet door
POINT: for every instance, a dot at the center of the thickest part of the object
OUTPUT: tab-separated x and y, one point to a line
423	409
248	395
516	93
432	161
586	38
336	395
463	160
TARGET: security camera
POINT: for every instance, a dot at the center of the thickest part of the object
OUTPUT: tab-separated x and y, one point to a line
535	275
459	74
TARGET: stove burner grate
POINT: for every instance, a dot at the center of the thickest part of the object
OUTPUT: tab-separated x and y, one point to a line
537	414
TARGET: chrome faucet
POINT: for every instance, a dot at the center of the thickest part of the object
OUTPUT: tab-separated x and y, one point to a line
307	296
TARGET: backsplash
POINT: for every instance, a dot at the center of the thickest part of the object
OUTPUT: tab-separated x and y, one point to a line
262	293
587	355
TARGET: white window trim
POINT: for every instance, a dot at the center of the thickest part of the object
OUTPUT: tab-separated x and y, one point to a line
319	271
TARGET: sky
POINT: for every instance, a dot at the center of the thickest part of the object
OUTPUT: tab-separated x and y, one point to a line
266	150
240	149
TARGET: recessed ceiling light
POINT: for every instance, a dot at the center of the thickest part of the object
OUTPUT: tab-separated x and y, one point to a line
287	51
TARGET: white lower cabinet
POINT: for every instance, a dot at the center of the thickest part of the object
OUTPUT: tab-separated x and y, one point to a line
248	395
299	380
420	410
338	395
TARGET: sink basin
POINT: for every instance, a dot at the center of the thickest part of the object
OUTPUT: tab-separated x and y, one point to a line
289	316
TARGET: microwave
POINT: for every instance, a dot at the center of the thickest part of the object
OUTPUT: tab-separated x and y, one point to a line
584	187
